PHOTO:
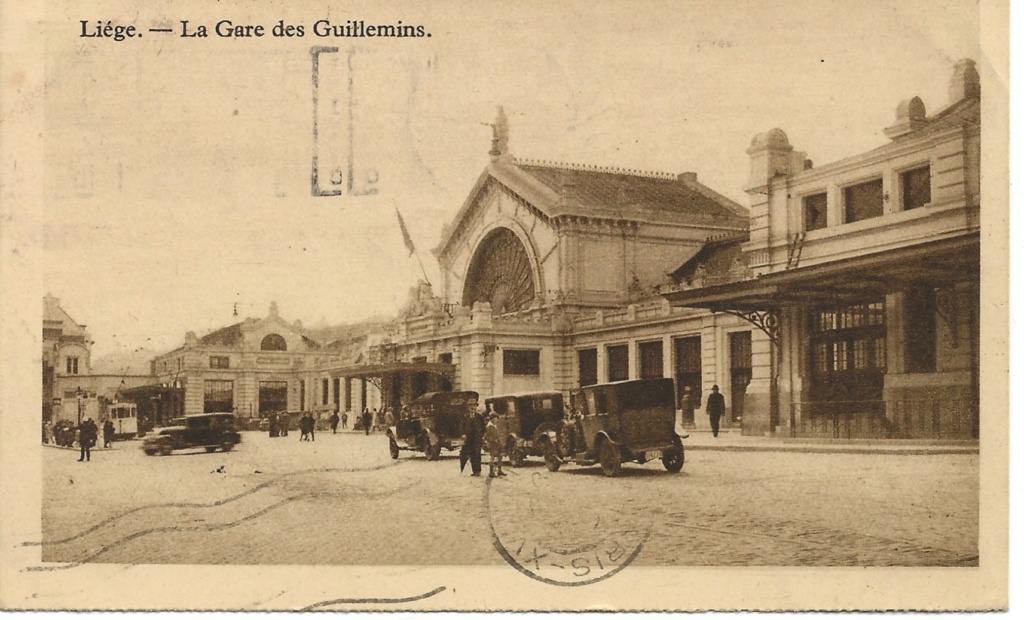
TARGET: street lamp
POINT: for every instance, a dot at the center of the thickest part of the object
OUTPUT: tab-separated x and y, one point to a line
78	395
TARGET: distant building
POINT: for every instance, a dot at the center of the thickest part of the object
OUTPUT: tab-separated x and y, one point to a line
66	351
70	389
864	280
262	366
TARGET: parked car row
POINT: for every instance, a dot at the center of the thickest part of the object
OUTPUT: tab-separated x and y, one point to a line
608	424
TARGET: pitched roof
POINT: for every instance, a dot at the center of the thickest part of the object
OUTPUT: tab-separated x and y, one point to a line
596	191
717	257
226	336
553	189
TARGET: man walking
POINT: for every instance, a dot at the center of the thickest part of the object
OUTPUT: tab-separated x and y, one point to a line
334	423
367	419
87	434
716	408
108	432
474	430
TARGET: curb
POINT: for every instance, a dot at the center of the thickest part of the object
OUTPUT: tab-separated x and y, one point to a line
929	451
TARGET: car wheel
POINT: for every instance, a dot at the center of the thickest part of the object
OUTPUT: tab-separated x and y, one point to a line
149	452
393	447
611	458
550	457
673	459
211	448
227	446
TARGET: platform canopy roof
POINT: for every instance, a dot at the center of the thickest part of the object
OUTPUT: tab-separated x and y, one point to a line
935	263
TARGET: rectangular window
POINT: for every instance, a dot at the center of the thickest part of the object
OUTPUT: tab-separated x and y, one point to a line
337	390
218	396
72	365
920	326
302	395
863	201
326	389
445	358
348	393
521	362
588	366
815	211
618	362
220	361
652	363
688	366
917	187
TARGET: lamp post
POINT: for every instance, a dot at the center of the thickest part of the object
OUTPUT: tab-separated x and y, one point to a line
78	395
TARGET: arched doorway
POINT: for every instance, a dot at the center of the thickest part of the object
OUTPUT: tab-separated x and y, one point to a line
500	274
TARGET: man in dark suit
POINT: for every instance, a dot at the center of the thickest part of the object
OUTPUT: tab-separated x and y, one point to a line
716	408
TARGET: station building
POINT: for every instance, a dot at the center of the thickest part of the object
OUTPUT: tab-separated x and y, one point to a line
549	281
843	302
863	280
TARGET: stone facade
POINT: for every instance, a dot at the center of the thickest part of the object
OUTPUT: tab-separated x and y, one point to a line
865	273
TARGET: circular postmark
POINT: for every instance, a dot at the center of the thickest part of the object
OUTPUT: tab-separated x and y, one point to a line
564	530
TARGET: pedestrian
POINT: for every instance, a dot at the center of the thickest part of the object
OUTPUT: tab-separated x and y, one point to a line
376	420
474	431
108	433
687	405
716	408
304	427
334	423
311	425
87	435
492	437
344	421
367	420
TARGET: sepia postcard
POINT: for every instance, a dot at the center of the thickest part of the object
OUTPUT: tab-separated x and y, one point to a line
556	306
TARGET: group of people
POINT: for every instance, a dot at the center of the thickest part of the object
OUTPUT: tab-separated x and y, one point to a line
376	420
87	433
482	433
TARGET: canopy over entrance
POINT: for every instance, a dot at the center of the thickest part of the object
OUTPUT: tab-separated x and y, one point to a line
935	263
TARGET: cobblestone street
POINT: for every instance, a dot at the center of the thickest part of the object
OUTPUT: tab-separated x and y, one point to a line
343	500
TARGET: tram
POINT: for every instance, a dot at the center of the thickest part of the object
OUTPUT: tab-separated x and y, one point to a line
125	417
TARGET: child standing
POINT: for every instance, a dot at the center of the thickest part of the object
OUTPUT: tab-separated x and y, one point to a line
492	438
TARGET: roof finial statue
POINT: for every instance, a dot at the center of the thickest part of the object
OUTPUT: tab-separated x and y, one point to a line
499	140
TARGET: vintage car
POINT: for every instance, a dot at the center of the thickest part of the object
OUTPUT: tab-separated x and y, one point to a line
205	430
523	418
619	422
433	421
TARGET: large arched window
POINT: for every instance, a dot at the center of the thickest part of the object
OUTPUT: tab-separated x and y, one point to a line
273	342
500	273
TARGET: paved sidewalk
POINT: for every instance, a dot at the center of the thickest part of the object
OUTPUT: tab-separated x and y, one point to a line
733	441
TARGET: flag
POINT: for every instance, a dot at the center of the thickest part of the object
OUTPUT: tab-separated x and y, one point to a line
405	233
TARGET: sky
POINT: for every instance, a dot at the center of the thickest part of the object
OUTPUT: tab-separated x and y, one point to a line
178	170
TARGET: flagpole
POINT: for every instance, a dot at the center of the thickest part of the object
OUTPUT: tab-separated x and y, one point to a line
410	245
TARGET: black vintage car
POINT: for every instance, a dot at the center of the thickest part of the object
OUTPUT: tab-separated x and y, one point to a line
434	421
205	430
523	419
619	422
